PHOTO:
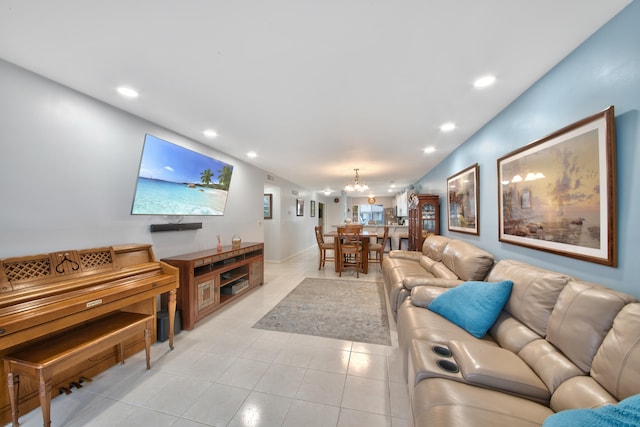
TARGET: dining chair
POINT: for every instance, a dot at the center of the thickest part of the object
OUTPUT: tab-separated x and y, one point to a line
323	247
349	254
379	248
354	227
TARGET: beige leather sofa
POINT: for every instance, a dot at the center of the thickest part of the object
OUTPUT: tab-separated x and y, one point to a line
443	262
558	344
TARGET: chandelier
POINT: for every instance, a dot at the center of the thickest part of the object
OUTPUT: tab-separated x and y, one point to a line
356	185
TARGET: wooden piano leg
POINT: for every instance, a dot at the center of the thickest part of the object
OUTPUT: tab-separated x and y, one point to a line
13	382
45	397
147	347
172	315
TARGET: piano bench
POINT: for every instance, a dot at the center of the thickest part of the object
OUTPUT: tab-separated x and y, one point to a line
44	359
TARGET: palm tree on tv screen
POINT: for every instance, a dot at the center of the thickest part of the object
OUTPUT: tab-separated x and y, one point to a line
205	176
224	177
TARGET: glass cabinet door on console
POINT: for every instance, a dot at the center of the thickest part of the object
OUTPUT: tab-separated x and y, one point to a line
424	218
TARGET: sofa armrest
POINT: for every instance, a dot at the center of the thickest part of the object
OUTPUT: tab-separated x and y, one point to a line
421	296
413	281
410	255
497	368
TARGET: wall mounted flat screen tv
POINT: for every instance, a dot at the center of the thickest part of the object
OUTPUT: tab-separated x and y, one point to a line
173	180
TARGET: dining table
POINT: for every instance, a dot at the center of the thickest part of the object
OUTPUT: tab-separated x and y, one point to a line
365	237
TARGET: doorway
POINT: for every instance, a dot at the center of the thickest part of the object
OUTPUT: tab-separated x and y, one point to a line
321	215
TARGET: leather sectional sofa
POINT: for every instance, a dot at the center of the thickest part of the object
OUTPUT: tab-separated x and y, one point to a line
443	262
554	344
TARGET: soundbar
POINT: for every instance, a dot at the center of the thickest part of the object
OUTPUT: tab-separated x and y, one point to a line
175	227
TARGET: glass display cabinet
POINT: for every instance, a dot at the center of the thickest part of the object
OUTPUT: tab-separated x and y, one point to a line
424	218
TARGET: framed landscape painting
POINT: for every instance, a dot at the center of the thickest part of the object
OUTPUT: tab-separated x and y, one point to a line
462	196
558	194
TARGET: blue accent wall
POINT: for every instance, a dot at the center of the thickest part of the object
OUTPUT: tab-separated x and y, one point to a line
603	71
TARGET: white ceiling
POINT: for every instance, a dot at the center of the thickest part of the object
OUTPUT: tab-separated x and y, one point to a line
316	88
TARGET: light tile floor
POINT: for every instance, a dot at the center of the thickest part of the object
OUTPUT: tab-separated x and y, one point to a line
225	373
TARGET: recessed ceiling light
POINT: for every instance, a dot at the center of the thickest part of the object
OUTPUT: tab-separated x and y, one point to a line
484	81
429	150
128	92
210	133
252	154
447	127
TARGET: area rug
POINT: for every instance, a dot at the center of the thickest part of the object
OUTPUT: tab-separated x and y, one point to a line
343	309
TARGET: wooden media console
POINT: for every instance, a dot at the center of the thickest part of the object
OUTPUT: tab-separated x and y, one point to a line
210	279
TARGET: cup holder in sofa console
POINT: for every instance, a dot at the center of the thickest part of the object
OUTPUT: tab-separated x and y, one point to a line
448	366
441	351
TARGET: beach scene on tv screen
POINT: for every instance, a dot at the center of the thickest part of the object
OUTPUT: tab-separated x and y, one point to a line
173	180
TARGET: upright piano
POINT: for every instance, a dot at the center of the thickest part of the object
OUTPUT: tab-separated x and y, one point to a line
43	295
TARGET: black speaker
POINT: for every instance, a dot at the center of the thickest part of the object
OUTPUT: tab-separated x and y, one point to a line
163	324
175	227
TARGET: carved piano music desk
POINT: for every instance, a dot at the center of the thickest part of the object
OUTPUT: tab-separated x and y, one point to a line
95	306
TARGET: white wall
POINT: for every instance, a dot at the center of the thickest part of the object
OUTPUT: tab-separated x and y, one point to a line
68	168
287	234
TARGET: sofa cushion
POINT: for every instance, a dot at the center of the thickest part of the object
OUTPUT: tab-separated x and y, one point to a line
434	245
412	282
510	333
474	306
615	365
581	318
403	261
440	270
534	292
625	413
548	363
580	392
467	261
427	262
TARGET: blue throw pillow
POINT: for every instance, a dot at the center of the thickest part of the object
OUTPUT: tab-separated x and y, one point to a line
474	306
624	414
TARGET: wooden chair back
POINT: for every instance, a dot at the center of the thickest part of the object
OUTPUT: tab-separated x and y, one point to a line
349	249
319	236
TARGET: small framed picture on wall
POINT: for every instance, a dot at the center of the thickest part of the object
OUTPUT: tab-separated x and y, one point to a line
268	206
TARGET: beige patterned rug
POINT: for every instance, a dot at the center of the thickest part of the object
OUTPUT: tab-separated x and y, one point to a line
343	309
